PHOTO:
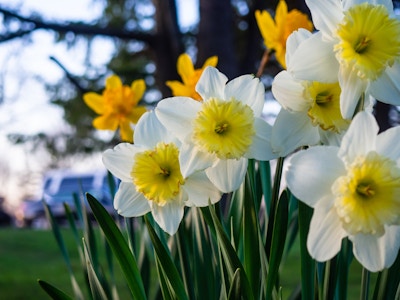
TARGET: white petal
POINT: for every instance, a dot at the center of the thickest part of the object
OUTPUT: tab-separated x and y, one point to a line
376	253
211	84
191	159
261	148
200	190
330	138
177	114
289	92
387	143
149	131
387	87
360	138
314	60
292	130
311	173
326	15
130	203
228	175
352	88
293	41
326	232
249	90
169	216
119	161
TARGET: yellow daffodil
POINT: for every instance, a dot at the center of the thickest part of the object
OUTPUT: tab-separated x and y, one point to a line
275	33
117	106
355	192
190	76
151	179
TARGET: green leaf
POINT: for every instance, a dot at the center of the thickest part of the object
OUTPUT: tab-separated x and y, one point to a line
96	287
250	229
60	242
53	292
229	255
234	291
119	247
307	263
278	242
167	265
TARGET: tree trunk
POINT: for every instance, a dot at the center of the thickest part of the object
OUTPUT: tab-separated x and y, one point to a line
216	35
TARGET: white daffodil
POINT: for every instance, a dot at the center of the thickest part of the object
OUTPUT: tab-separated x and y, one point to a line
222	131
310	111
358	44
355	193
151	179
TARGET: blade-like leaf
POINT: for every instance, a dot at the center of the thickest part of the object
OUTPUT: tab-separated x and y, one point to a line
53	292
307	263
229	255
278	242
167	265
234	291
119	247
95	285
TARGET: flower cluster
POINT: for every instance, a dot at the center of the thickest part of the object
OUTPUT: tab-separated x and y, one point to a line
195	146
188	152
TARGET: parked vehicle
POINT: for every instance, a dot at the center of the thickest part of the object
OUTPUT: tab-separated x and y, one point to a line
59	188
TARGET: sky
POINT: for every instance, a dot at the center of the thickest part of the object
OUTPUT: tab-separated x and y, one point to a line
26	108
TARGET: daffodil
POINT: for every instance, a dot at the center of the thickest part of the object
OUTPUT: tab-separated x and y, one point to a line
151	180
222	131
310	111
117	106
355	192
190	76
358	44
276	32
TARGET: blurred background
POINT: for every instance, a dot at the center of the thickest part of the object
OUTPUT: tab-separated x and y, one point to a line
52	52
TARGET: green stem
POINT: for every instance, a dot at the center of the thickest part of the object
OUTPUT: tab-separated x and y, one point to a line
364	284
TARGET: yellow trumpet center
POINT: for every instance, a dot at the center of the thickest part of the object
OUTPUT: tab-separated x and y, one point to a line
369	40
156	173
325	106
225	128
368	196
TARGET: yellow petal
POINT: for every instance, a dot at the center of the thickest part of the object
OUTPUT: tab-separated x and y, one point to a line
185	67
179	89
95	102
136	113
211	61
126	131
113	82
281	15
267	27
280	55
106	122
138	87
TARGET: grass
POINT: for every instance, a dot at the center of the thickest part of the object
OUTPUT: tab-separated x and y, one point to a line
28	255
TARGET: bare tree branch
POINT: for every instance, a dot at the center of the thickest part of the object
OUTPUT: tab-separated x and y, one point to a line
76	28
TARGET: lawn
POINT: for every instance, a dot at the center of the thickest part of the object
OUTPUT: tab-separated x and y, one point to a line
28	255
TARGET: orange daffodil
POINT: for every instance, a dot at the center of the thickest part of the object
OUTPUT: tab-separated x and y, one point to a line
275	33
190	76
355	192
117	106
